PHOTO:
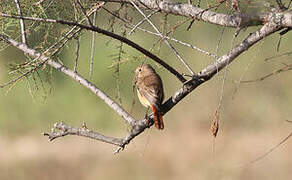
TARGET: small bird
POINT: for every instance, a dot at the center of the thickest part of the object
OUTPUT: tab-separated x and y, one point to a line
150	91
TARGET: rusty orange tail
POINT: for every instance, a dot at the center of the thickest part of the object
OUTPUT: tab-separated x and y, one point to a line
158	120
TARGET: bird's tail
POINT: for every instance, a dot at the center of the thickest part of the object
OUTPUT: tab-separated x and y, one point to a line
158	120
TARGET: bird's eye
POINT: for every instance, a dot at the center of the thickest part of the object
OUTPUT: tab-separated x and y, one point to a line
139	70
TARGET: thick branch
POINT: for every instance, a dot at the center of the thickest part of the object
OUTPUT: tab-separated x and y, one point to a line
64	130
188	10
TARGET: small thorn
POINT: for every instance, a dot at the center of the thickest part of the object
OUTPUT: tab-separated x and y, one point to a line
84	126
119	150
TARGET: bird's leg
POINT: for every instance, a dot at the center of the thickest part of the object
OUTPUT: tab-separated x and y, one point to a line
147	117
146	113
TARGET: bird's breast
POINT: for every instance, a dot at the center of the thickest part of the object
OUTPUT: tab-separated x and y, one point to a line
143	100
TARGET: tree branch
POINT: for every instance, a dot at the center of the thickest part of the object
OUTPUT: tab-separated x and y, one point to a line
280	4
31	52
164	37
287	67
69	130
64	130
188	10
106	33
205	75
208	72
22	25
165	40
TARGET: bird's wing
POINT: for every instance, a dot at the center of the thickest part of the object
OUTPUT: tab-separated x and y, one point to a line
152	90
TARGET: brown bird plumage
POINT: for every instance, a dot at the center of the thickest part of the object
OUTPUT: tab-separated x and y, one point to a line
150	91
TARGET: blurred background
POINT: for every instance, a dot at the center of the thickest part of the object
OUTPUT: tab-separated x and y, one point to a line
253	116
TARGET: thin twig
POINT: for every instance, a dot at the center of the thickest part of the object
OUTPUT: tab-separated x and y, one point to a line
29	86
165	40
219	41
278	44
42	82
68	36
22	25
271	150
70	33
92	48
76	54
118	68
215	122
279	56
107	33
241	77
39	2
280	4
77	40
141	22
278	71
31	52
182	43
84	13
289	4
19	77
167	37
